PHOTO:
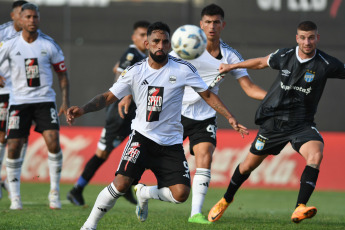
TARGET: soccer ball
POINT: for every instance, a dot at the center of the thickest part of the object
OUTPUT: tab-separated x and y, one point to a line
188	42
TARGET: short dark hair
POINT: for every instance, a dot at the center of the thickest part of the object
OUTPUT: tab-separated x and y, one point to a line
158	26
307	26
18	3
30	6
211	10
141	24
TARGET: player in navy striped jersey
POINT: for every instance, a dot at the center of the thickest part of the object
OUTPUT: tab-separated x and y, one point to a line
198	118
116	128
7	30
157	84
31	55
287	114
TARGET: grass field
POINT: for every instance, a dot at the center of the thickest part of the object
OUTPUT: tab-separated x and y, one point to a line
252	209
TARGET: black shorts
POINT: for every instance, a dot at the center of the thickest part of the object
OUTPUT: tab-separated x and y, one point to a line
21	117
274	134
116	129
3	111
168	163
199	131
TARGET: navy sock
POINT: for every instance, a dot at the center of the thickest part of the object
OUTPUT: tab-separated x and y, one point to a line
237	180
90	169
308	183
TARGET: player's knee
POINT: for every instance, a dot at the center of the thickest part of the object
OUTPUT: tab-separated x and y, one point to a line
103	154
122	183
315	158
180	194
246	168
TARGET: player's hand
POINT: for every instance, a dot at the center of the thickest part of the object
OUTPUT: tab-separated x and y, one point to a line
63	109
2	82
123	105
72	113
224	68
238	127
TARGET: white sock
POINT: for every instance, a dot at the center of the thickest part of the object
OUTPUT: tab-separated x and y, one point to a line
200	185
13	169
105	201
152	192
2	154
55	166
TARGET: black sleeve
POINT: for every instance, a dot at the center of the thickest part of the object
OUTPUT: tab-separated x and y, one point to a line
337	69
276	59
128	58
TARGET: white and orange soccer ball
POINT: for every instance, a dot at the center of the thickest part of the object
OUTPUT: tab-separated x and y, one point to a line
188	41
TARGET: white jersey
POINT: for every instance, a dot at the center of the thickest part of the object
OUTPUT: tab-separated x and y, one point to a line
30	66
158	95
208	67
6	31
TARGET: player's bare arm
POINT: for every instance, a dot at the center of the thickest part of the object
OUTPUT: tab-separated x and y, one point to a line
2	82
123	105
255	63
97	103
214	101
251	89
64	87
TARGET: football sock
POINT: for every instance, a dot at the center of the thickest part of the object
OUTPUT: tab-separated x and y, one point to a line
90	169
236	181
2	154
105	201
152	192
200	185
307	184
13	169
55	166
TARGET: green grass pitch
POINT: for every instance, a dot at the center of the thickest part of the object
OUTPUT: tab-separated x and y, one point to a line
252	209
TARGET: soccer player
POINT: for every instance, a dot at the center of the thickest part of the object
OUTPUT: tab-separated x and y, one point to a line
32	99
157	84
7	30
116	128
198	118
287	114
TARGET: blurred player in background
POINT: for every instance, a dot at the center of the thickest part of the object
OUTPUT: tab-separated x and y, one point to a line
287	114
198	118
7	30
156	140
32	99
116	128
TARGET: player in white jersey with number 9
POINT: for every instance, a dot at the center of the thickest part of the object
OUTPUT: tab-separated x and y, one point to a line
32	99
157	84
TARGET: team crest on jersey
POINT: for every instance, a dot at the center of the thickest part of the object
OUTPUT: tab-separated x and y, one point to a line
260	143
172	79
130	56
309	76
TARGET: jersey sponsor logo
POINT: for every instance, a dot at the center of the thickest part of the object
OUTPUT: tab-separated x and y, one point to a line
32	72
297	88
286	73
172	79
260	143
154	103
309	76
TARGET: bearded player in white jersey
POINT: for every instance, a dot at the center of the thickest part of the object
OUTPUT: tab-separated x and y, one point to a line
32	99
198	118
157	84
7	30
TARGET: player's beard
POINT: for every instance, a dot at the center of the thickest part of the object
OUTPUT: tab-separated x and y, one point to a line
158	58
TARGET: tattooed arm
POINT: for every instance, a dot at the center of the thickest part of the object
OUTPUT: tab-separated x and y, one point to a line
97	103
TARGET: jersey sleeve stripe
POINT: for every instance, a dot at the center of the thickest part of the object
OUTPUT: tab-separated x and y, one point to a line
51	40
136	64
226	46
183	62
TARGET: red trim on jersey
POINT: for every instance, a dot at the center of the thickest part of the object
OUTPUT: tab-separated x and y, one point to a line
60	67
